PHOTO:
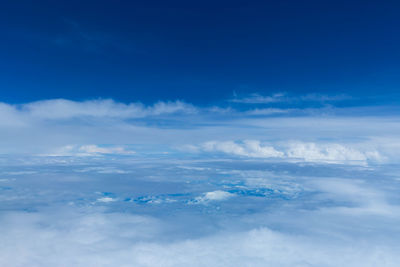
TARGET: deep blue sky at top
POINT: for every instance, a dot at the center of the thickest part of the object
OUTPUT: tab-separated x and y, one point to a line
198	51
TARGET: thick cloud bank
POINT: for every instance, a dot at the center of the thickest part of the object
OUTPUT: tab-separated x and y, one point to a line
114	239
102	183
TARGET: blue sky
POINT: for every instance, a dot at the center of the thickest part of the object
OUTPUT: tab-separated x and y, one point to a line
199	52
199	133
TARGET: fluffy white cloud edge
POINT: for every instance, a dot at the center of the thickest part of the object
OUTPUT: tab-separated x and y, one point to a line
217	195
303	151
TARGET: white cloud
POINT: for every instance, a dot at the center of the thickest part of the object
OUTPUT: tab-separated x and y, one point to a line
90	150
116	239
334	153
50	126
217	195
322	215
256	98
364	198
103	169
259	99
304	151
66	109
94	149
106	199
249	148
268	111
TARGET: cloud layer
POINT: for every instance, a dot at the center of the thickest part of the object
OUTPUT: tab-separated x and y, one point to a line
309	152
65	109
285	98
116	239
103	183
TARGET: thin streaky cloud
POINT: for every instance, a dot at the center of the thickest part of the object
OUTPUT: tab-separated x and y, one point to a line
256	98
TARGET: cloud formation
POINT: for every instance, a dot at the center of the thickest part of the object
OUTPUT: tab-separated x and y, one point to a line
210	209
98	239
256	98
217	195
249	148
83	127
259	99
90	150
309	152
63	109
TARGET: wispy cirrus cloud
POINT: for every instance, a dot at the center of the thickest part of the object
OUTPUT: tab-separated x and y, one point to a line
64	109
90	150
257	98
